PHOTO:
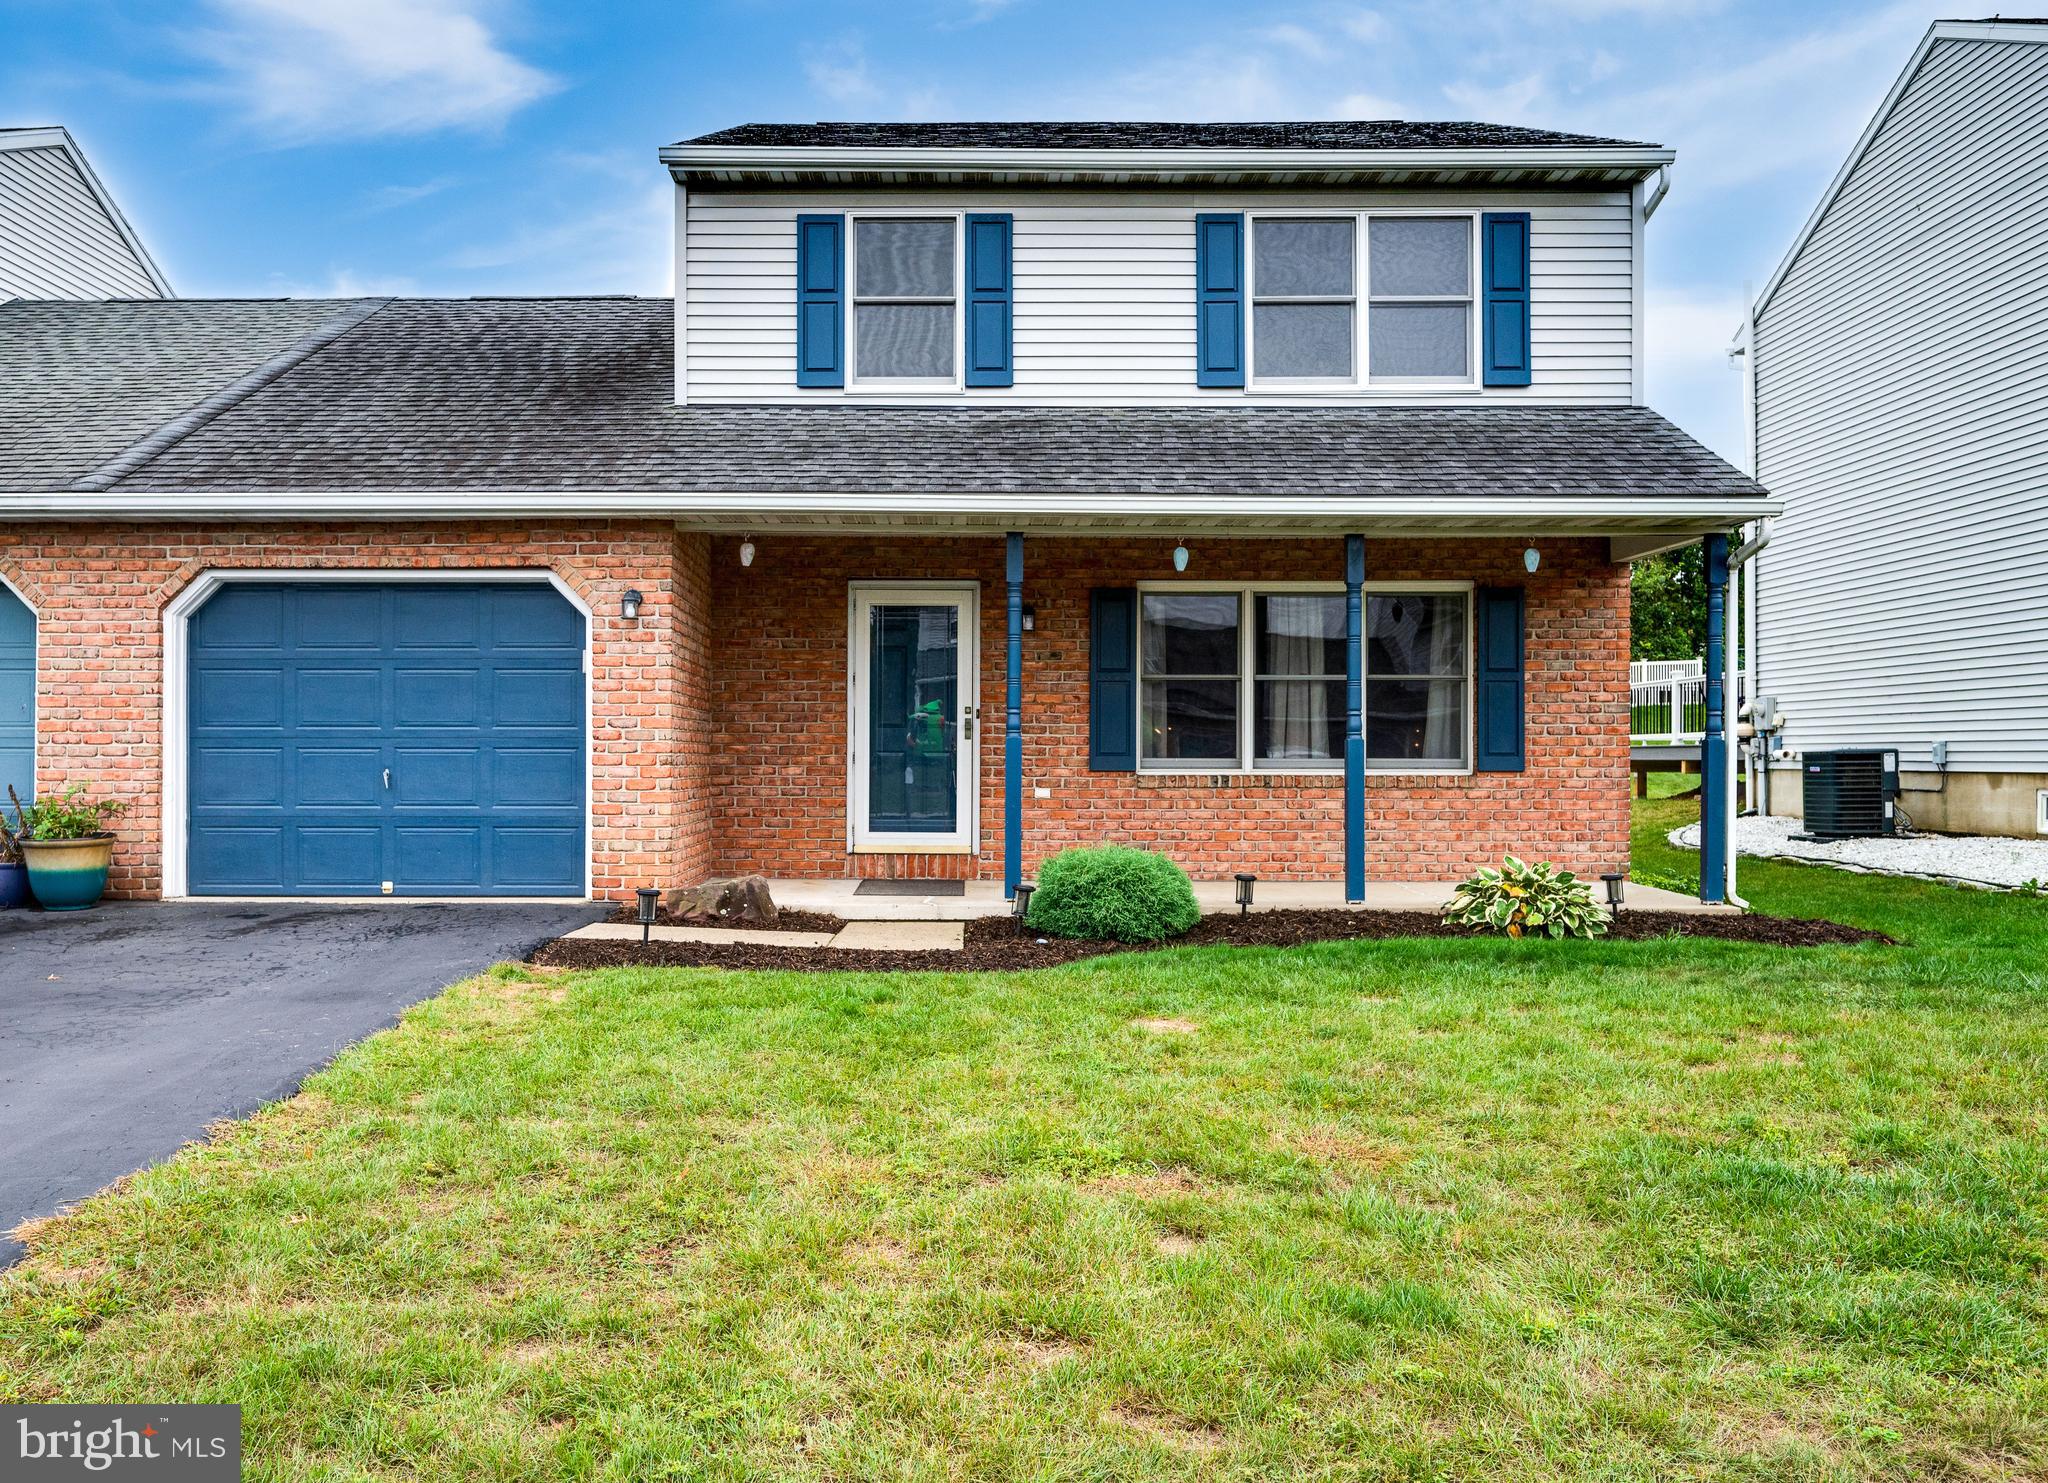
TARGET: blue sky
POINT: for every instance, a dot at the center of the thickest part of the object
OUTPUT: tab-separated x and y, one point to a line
507	146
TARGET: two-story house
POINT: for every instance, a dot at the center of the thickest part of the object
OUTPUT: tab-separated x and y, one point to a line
1258	493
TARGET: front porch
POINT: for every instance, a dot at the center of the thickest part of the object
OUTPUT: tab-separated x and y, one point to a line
985	898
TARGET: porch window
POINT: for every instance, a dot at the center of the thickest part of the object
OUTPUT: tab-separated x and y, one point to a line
1304	298
905	288
1249	679
1420	309
1188	677
1415	680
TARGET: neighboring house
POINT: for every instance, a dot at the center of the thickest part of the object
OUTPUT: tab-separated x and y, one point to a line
1258	493
61	235
1899	375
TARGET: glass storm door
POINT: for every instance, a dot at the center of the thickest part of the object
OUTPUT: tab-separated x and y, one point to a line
914	720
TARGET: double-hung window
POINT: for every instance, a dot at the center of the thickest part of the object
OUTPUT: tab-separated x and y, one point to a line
905	299
1246	679
1413	312
1304	297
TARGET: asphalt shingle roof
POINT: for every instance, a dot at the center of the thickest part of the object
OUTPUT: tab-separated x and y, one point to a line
1382	133
83	381
577	394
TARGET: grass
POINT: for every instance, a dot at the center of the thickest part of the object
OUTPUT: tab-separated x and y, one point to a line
1383	1210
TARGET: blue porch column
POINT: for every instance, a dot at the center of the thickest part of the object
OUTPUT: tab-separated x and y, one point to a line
1354	718
1714	779
1013	721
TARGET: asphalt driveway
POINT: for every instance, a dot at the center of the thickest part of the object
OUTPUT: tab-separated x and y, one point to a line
125	1030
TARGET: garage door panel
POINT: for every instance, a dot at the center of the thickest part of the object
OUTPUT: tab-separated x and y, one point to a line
386	734
437	697
527	859
234	858
238	777
335	858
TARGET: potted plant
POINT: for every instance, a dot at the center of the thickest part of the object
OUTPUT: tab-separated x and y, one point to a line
67	847
13	874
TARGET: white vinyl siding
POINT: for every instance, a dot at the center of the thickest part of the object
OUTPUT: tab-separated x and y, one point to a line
1902	414
56	240
1105	293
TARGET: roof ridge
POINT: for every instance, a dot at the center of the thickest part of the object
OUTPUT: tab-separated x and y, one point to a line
188	422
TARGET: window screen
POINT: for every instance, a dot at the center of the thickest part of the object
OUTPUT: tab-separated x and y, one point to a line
904	311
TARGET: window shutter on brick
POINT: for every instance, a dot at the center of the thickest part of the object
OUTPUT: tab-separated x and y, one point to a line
1501	747
1504	272
1219	298
1113	679
820	300
989	288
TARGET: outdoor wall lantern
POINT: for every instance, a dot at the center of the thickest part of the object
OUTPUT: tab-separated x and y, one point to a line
1615	881
747	551
1531	557
1180	558
650	899
1030	618
629	605
1245	881
1020	906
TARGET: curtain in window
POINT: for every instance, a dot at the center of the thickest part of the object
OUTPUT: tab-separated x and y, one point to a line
1299	716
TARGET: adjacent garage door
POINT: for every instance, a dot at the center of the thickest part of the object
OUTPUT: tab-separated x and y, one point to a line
405	738
17	698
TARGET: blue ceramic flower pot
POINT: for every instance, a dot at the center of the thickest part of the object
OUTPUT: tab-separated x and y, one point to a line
13	884
68	874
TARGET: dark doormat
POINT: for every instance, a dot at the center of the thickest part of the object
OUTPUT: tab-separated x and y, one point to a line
911	888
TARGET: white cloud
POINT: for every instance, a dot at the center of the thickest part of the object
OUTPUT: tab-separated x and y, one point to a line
596	223
1361	24
841	72
306	69
347	283
1370	105
1521	101
1687	370
390	197
974	12
1298	38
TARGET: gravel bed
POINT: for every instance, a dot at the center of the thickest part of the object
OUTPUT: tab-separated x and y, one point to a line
994	943
1968	859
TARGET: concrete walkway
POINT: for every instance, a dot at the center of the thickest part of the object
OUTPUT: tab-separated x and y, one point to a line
125	1030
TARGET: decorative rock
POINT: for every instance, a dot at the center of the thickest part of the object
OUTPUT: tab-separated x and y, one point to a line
742	899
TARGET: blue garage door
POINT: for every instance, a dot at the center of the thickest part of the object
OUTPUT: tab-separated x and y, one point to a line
17	697
349	734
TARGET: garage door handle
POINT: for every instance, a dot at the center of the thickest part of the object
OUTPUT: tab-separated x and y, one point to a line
387	777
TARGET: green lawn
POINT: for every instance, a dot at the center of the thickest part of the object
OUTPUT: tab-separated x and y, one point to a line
1405	1210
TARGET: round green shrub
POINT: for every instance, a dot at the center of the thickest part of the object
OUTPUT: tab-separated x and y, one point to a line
1113	891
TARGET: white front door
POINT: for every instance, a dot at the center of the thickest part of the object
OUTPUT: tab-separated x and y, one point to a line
914	726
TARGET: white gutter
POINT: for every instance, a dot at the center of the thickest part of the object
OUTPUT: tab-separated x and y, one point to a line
954	160
1647	513
1656	196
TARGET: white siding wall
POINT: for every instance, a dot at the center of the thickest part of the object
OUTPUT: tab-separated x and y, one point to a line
1105	293
1902	414
56	241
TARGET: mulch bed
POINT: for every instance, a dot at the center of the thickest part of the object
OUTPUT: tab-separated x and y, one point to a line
993	943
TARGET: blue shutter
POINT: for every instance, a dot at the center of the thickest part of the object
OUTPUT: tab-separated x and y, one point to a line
988	300
821	301
1504	272
1219	298
1500	680
1113	679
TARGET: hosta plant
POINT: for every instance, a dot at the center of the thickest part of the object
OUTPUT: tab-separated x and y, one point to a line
1522	898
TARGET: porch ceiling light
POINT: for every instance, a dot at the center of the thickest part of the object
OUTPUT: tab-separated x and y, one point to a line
1245	881
1531	557
747	551
629	604
1180	558
650	899
1615	881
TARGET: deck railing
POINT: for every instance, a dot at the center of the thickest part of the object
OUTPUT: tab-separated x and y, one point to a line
1672	708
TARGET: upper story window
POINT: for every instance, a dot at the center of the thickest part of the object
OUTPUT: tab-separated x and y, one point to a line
1415	316
905	298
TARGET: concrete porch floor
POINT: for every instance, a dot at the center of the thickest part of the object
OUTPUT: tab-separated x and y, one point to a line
985	899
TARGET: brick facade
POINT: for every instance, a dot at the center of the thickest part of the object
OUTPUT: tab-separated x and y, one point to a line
99	591
780	715
720	717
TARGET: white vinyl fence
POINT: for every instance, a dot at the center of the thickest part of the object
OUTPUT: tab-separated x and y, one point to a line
1667	700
